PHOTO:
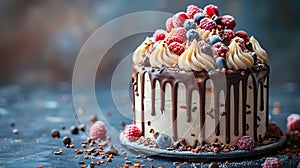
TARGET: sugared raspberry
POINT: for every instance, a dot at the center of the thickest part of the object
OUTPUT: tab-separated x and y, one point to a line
293	122
132	132
98	130
179	18
176	48
242	34
180	32
172	39
228	21
227	36
272	162
246	143
220	48
211	10
208	24
169	24
191	10
159	34
273	131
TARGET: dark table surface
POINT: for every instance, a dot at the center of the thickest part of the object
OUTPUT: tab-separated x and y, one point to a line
36	110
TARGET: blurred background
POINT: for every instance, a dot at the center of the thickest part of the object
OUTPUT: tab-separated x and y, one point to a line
40	40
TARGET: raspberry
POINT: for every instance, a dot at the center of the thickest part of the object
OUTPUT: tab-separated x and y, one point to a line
191	10
227	36
98	130
220	48
132	132
211	10
169	24
272	162
180	32
246	143
179	18
242	34
207	24
228	21
159	34
176	48
171	39
273	131
293	122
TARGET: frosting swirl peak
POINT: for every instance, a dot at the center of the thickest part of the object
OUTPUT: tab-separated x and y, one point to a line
237	58
142	52
162	56
194	59
262	55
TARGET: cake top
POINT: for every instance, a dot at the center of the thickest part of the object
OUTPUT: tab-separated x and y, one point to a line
200	39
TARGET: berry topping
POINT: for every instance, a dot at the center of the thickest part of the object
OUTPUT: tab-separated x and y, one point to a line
189	24
179	18
207	49
246	143
272	162
191	10
293	122
207	24
169	24
163	141
228	21
172	39
98	130
221	48
220	63
211	10
180	32
240	41
214	39
227	36
198	17
192	34
132	132
243	35
273	131
159	34
176	48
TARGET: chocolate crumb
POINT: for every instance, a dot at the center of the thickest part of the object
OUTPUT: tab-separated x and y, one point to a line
74	129
66	140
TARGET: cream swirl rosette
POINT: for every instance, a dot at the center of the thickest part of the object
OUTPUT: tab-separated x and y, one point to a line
237	59
161	55
194	59
261	54
205	34
143	51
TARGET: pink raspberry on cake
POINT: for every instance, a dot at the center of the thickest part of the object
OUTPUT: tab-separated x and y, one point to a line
243	35
208	24
180	32
211	10
159	34
293	122
172	39
176	48
246	143
179	18
272	162
169	24
191	10
132	132
228	21
98	130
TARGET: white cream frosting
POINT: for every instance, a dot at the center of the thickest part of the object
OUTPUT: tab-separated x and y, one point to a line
238	59
142	52
194	59
205	34
261	54
163	56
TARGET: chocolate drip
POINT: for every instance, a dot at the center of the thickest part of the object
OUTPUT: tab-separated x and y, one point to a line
197	81
267	102
261	107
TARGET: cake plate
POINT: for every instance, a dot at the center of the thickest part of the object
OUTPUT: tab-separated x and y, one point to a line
140	148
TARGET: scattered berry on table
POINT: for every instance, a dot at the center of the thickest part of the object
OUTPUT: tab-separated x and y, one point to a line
272	162
163	141
132	132
98	130
246	143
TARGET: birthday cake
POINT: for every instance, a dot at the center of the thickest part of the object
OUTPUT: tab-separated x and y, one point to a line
199	81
